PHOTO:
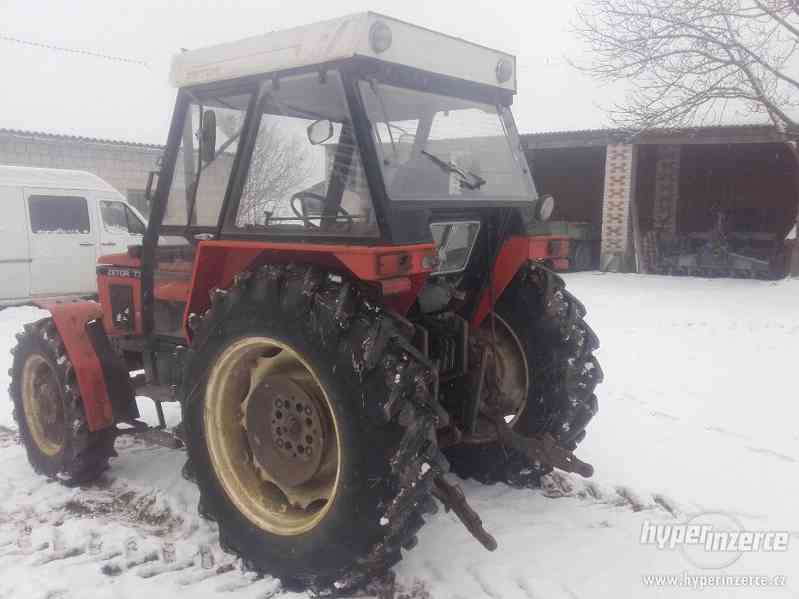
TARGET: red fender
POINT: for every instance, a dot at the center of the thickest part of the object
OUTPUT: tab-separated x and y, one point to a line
400	270
514	253
70	319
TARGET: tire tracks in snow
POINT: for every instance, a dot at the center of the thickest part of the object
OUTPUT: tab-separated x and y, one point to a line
558	484
116	530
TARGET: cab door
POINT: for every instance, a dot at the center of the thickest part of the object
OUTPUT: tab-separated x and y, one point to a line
63	242
120	226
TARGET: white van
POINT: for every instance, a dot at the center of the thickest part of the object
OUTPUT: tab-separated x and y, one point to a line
54	224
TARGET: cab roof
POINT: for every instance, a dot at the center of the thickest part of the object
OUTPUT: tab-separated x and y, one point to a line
24	176
343	38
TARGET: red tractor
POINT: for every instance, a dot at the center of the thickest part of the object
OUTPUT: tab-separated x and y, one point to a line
339	285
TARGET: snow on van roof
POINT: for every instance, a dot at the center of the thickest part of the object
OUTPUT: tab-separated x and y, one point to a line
52	177
397	42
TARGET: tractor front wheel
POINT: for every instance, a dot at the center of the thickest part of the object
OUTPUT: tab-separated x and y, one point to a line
308	428
49	410
541	333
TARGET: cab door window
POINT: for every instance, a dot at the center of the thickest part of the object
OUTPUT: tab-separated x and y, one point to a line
305	175
199	186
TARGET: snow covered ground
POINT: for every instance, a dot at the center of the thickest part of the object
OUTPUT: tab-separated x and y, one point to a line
698	414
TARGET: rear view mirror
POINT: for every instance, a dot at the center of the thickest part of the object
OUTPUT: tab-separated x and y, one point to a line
320	131
208	136
152	179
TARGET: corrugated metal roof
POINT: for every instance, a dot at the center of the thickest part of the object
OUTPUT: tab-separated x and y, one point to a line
738	133
79	138
621	131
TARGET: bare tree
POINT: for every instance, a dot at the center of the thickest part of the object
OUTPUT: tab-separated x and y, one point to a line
694	62
280	164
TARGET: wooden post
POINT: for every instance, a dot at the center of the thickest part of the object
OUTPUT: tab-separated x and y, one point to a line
792	268
792	257
640	264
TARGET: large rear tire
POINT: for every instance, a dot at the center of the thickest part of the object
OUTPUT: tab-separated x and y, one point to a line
370	386
49	410
563	374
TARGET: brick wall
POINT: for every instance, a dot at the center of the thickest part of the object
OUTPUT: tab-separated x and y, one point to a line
123	165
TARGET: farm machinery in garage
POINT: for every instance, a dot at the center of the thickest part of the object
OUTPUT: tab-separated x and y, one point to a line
338	285
716	253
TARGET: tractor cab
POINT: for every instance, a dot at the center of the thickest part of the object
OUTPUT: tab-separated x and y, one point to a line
362	131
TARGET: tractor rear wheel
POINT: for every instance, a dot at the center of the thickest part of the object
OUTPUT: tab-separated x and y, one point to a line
49	410
309	428
562	372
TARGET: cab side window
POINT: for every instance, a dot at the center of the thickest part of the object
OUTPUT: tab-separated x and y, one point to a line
118	218
64	215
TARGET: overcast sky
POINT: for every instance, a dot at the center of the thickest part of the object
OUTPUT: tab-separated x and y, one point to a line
56	92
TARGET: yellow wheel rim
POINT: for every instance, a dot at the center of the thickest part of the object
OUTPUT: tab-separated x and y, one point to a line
41	401
261	489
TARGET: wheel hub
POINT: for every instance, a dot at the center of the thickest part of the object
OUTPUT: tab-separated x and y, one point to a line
507	382
285	430
275	485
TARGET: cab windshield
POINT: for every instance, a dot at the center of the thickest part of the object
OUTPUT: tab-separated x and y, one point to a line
433	146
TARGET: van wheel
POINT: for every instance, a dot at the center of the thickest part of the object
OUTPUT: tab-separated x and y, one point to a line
49	411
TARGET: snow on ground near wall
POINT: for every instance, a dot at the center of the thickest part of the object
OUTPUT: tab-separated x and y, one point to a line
697	413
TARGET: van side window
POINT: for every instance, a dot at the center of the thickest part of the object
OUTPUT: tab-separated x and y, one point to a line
66	215
118	218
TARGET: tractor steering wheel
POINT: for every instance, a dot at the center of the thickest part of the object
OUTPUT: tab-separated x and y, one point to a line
301	213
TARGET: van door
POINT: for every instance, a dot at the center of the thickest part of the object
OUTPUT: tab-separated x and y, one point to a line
63	241
121	227
15	278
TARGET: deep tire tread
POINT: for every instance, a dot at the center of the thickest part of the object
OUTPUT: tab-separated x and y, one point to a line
564	372
86	454
333	306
